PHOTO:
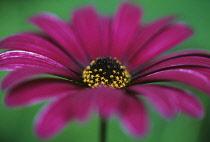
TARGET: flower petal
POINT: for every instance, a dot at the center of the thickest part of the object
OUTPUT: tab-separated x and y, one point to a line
164	100
168	38
186	76
105	31
55	116
182	59
13	60
168	100
19	75
61	32
188	104
146	34
133	116
125	26
86	24
107	100
36	90
37	44
181	62
204	71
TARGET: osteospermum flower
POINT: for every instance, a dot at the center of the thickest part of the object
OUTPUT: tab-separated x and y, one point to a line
104	64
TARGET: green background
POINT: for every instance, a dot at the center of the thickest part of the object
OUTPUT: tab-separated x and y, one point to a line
16	125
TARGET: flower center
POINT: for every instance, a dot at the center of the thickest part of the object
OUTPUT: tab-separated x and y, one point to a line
106	71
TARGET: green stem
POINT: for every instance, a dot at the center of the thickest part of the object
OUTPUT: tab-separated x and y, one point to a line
103	127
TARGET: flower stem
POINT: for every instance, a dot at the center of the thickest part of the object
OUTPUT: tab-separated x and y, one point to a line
103	127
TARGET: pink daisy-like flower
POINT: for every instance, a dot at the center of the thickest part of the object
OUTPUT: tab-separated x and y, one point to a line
104	64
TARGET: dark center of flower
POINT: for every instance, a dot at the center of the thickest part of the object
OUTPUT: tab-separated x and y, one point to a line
107	72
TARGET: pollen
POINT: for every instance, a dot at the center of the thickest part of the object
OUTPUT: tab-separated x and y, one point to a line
107	72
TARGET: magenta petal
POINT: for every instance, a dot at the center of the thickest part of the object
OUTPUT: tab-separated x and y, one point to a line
13	60
163	99
191	106
147	33
125	26
38	44
86	24
169	100
55	116
107	100
179	62
171	61
204	71
37	90
133	116
60	32
164	41
188	103
105	31
188	53
186	76
19	75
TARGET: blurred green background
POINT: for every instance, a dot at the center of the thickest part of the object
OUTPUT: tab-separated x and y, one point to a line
16	125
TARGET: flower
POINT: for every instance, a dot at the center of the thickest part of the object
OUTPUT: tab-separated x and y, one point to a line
104	64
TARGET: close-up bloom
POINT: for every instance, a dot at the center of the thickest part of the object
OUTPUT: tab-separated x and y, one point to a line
104	64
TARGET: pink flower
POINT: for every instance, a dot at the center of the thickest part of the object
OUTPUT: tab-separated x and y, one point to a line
104	64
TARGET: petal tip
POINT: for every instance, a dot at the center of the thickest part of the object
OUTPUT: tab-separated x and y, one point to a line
130	6
9	102
186	28
198	114
42	134
41	16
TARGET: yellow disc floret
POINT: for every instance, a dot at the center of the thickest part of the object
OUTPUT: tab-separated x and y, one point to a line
106	72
